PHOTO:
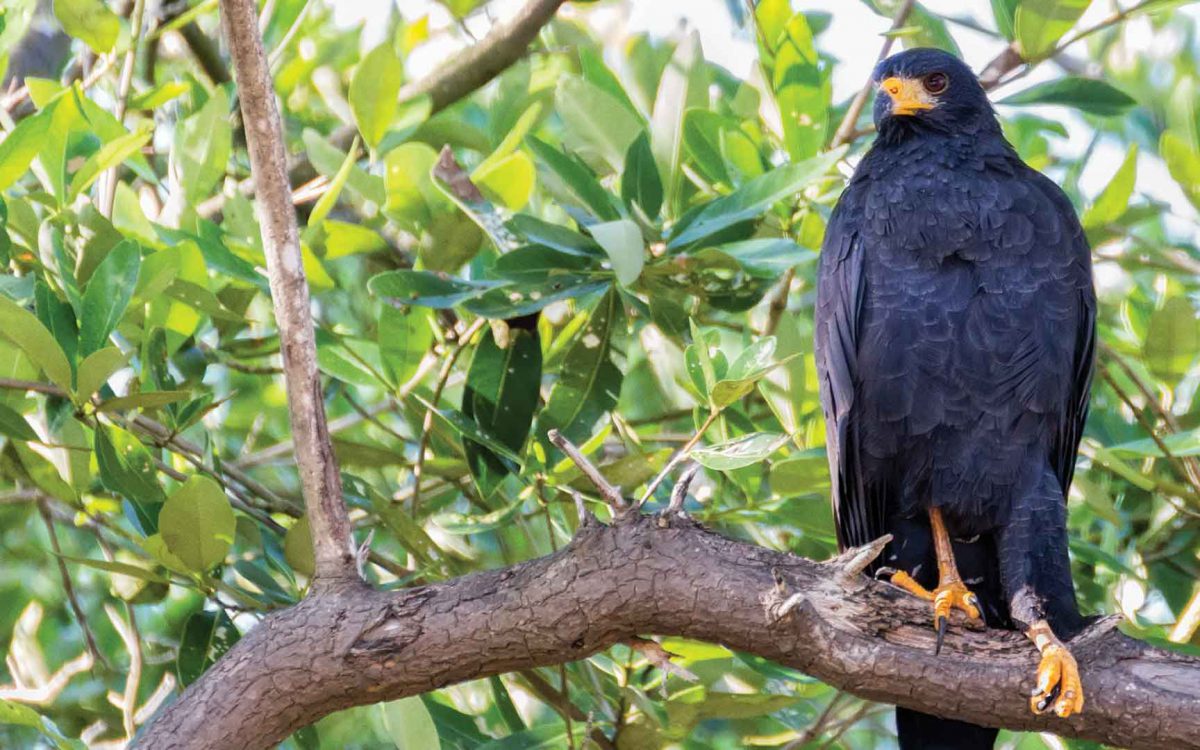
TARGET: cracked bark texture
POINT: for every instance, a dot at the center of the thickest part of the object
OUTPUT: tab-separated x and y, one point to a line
350	645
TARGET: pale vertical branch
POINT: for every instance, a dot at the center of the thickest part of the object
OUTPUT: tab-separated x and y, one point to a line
320	479
845	131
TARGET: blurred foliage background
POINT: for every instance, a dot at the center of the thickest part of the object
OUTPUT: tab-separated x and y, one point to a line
618	241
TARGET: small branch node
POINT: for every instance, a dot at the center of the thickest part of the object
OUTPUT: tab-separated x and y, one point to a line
661	658
361	555
679	495
608	492
585	516
777	603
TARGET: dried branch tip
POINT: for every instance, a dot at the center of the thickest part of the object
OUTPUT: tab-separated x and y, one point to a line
661	658
851	563
608	493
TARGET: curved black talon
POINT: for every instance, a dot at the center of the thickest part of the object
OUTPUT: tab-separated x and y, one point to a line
942	624
885	573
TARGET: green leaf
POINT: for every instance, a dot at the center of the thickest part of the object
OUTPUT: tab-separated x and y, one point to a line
91	21
1004	11
1039	24
13	424
205	639
143	400
501	396
1114	199
197	523
802	91
22	328
127	469
745	371
622	241
739	452
459	422
590	382
96	369
298	549
374	92
576	179
684	84
404	339
12	712
22	144
410	189
538	232
409	724
109	155
1172	339
1086	94
426	288
1183	162
44	474
107	295
538	262
598	127
641	184
1180	444
119	568
801	475
202	146
509	180
752	199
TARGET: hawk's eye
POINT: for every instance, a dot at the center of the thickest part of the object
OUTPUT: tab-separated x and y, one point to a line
935	83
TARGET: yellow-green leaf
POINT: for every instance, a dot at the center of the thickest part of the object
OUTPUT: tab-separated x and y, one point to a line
374	91
91	21
197	523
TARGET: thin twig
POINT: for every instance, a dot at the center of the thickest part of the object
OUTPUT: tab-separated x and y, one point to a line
562	705
608	492
69	587
681	454
108	182
842	134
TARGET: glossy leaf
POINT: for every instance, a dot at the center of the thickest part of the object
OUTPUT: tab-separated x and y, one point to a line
752	199
426	288
374	92
197	523
801	90
641	184
107	295
1086	94
409	724
89	20
739	452
622	241
1039	24
127	469
205	639
589	382
23	329
1114	199
501	397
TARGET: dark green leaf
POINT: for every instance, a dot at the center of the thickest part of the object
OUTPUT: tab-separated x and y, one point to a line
107	295
641	184
1087	94
501	396
426	288
590	382
206	637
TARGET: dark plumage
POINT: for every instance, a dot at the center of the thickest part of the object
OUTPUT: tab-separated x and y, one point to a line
955	328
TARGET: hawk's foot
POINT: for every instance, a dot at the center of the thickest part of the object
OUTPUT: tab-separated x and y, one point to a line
1058	686
949	595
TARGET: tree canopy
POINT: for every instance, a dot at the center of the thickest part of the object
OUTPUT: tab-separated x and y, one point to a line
564	224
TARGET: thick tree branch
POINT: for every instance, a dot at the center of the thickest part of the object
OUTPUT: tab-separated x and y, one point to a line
348	647
504	45
319	475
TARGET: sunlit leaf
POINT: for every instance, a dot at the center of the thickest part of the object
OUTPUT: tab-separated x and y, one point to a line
739	452
1086	94
374	92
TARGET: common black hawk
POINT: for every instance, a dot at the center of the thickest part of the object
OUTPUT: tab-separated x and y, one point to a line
955	333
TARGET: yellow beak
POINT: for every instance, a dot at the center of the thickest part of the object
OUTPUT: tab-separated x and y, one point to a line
907	94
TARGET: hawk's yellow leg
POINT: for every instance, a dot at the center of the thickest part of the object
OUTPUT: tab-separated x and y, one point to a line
951	592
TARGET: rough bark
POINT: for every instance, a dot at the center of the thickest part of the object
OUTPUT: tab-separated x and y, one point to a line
351	646
320	479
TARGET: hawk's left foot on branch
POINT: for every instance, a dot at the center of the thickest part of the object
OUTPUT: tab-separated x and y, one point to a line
1058	685
951	594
